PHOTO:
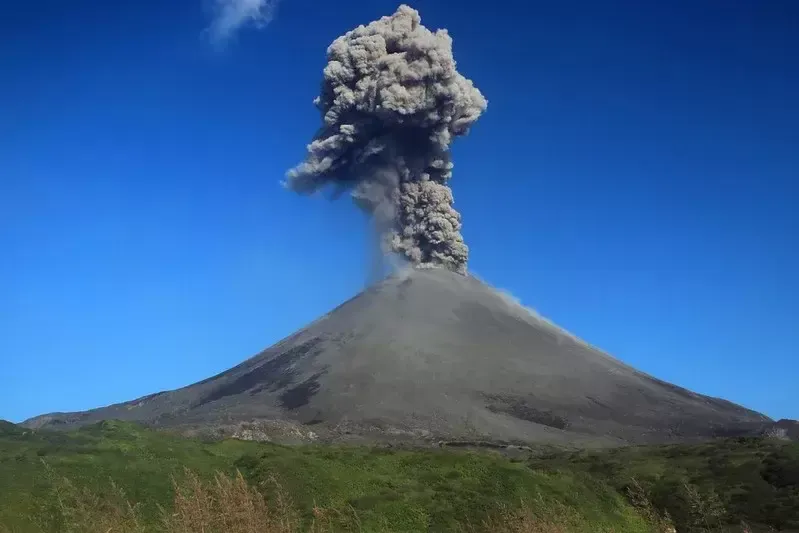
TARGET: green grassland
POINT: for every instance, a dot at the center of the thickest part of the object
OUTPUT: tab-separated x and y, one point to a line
746	479
404	490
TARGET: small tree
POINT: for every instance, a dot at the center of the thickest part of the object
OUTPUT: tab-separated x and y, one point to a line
706	510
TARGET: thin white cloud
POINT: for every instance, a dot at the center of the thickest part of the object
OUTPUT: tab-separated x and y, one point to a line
230	16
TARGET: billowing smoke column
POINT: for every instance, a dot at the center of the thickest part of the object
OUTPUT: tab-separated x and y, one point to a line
392	103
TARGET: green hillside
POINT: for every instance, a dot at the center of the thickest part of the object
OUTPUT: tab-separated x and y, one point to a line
396	490
745	479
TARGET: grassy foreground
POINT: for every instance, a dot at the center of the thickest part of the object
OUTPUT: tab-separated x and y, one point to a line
117	477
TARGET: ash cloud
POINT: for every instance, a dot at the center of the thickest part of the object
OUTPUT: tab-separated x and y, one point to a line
392	102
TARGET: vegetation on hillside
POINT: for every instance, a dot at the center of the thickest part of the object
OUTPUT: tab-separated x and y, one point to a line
118	477
719	483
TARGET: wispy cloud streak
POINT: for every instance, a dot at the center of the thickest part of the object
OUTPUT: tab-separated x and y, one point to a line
231	16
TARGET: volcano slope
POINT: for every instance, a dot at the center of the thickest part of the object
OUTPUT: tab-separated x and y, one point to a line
431	354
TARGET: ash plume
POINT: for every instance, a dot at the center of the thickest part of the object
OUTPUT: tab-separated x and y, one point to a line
392	102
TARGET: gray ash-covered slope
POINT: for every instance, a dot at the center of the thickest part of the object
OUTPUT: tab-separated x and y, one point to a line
437	354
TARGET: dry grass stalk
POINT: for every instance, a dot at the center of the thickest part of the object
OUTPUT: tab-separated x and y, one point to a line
228	504
83	511
524	520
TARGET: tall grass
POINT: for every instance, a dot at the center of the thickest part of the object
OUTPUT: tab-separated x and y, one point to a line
524	520
224	504
229	504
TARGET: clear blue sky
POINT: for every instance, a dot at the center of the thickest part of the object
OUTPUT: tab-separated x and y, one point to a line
635	179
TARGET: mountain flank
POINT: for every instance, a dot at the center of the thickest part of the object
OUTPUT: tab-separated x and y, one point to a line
431	354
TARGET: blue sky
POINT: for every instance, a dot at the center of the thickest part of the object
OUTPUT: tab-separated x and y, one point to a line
635	179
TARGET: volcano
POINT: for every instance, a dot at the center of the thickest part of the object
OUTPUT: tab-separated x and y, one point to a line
431	354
